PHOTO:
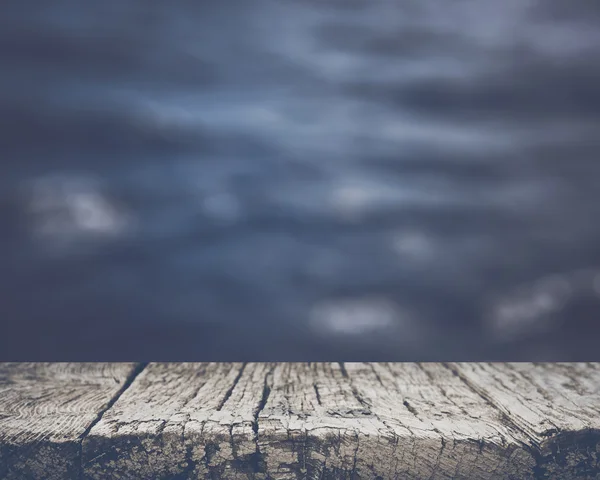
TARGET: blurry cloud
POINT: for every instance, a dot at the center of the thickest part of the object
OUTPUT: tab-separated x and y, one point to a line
223	206
110	42
346	168
356	316
350	201
553	11
65	134
529	90
508	62
535	309
414	245
408	42
65	209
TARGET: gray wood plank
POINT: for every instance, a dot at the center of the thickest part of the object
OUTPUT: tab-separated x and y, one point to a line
404	421
289	421
555	405
191	420
292	421
46	409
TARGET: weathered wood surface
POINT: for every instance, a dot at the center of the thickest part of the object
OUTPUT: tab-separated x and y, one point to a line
300	421
45	411
556	406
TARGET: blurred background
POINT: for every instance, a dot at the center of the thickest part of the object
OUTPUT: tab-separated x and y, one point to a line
300	180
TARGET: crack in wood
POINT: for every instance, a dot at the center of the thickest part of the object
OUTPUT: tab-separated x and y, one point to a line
139	368
233	385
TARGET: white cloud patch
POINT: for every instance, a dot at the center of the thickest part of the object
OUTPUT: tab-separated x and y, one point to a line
534	308
413	245
350	317
64	209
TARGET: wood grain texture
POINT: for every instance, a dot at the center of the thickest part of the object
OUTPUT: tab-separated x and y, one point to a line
405	421
556	406
290	421
46	409
180	421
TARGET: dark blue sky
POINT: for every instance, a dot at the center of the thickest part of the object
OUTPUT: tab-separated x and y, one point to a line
300	180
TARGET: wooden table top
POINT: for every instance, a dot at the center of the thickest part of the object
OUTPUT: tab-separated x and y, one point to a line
295	421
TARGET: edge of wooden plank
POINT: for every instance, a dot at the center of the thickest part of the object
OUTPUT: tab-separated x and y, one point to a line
245	452
558	450
187	435
363	441
263	445
57	456
137	370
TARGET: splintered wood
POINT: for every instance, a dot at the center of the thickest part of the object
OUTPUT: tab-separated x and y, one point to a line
300	421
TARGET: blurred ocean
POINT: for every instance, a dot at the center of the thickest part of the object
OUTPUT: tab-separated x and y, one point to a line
300	180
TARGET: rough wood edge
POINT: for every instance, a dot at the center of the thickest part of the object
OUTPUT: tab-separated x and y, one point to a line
551	451
57	459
